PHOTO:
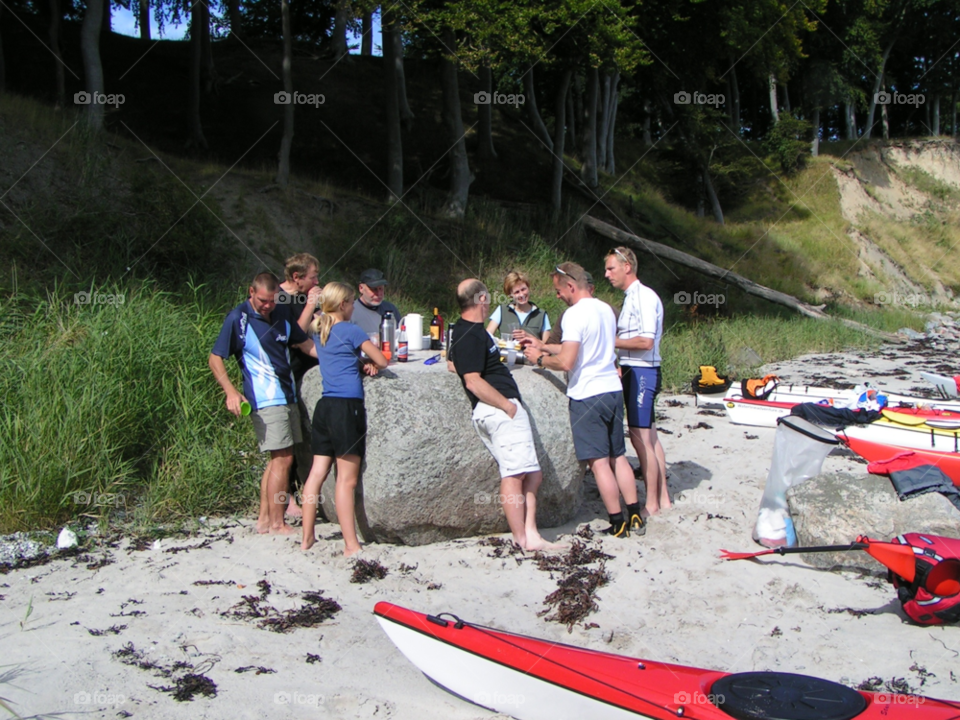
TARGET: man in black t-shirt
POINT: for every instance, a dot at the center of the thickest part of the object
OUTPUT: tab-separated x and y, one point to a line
498	417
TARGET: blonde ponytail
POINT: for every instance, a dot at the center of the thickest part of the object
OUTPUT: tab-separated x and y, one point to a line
333	296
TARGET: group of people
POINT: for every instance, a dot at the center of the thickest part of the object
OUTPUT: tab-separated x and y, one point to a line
283	329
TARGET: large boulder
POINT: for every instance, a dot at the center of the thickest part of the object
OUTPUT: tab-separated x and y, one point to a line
834	508
427	476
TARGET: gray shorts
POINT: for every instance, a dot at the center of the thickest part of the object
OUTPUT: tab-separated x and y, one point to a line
597	425
277	427
509	440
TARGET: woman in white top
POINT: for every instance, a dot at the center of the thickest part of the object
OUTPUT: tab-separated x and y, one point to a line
521	315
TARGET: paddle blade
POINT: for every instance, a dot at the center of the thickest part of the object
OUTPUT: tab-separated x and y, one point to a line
727	555
898	558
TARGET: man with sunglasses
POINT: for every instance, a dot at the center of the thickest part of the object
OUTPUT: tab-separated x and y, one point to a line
589	331
639	329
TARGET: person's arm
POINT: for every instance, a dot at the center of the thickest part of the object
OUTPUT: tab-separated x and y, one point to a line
635	343
492	327
486	393
306	316
307	348
234	398
564	360
376	357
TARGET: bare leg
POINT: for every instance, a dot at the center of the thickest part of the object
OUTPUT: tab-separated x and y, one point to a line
293	510
644	440
263	520
531	483
512	500
311	497
279	472
665	503
348	472
606	483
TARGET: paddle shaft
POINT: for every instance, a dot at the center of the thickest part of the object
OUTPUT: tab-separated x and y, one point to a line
819	548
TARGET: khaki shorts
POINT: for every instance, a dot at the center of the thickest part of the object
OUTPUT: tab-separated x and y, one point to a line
510	441
277	427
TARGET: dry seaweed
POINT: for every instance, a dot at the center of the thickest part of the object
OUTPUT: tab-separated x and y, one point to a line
504	548
366	570
112	630
312	659
202	583
258	670
575	596
315	610
189	685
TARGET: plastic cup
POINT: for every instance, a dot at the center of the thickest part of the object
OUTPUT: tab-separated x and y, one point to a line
245	408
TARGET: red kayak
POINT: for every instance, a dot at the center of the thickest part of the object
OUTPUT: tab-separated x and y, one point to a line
949	462
533	679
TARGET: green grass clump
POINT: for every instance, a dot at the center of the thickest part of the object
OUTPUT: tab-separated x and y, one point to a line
111	406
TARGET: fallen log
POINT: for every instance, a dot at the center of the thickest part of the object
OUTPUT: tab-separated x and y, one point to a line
745	284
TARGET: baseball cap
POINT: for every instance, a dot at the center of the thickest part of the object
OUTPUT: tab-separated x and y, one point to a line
373	278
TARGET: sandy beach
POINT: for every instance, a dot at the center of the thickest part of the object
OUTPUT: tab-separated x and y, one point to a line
106	627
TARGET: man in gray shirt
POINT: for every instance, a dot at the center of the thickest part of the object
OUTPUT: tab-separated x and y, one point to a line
369	308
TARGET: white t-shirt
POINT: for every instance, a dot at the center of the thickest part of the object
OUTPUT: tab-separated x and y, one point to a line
641	316
522	316
590	323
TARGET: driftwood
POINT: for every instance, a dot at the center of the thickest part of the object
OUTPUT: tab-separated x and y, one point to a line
702	266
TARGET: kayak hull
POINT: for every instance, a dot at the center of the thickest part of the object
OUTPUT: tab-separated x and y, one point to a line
867	448
531	679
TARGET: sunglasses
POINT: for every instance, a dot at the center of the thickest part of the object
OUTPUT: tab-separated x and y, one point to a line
624	257
563	272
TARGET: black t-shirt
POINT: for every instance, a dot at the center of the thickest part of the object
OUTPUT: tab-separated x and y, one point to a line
476	352
290	307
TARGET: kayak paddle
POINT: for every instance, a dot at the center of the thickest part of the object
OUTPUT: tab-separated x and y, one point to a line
898	558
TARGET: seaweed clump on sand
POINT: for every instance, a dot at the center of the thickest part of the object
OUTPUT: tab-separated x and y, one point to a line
503	548
314	611
189	685
366	570
576	594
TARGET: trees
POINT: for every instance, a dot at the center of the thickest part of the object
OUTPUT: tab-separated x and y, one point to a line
283	172
93	69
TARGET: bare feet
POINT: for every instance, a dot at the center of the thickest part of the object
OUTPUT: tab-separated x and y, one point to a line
308	543
645	513
350	552
263	527
541	544
283	530
293	510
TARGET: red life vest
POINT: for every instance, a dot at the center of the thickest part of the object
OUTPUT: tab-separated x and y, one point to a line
938	565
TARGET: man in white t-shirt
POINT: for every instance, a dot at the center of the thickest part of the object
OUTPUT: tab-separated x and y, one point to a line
639	329
596	399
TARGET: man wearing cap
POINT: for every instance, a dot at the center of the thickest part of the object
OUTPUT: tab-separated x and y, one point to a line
596	396
370	308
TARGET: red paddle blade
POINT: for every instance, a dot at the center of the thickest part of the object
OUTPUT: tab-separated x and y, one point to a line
727	555
894	556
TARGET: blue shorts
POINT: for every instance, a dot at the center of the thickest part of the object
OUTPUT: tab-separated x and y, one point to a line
597	425
641	385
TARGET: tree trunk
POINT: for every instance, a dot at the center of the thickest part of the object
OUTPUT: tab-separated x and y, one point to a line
850	119
877	85
106	19
143	15
885	117
712	195
648	116
936	116
55	18
406	114
953	100
92	67
366	42
485	149
571	123
3	64
339	43
815	144
533	114
195	138
283	172
560	107
236	19
786	98
460	177
603	120
711	270
701	196
208	73
611	164
391	97
588	171
774	111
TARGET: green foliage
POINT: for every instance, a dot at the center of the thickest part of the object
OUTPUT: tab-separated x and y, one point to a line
789	143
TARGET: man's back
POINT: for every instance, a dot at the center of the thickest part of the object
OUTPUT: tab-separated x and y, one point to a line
590	323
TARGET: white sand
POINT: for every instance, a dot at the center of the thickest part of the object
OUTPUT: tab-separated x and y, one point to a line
670	599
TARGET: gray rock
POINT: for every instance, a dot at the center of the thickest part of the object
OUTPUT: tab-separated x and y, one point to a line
834	508
427	476
910	334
